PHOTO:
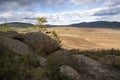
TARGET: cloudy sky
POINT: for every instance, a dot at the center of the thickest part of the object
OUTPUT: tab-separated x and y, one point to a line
59	12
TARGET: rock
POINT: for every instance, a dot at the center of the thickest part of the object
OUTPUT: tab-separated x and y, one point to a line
8	45
41	42
19	37
14	35
42	61
69	73
9	34
46	78
95	69
110	59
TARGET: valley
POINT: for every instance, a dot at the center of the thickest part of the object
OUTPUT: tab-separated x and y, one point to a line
88	38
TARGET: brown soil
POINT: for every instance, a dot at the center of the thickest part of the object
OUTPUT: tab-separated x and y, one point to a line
88	38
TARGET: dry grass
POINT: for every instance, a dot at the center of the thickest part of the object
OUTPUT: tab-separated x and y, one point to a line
84	38
88	38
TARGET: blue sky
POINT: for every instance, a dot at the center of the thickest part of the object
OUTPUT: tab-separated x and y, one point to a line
59	12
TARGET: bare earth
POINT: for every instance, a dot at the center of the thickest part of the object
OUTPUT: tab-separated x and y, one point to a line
88	38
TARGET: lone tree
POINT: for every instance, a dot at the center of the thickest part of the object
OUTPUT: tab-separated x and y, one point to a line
42	28
40	24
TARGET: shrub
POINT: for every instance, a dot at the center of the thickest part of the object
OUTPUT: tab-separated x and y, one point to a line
16	67
5	28
54	62
116	64
55	36
111	56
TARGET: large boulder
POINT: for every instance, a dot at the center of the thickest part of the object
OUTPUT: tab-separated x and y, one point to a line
9	34
92	68
110	59
8	45
43	62
41	42
68	73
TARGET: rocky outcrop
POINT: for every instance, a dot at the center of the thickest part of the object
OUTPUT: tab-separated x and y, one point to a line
37	41
41	42
92	68
42	61
110	59
61	64
9	34
68	73
8	45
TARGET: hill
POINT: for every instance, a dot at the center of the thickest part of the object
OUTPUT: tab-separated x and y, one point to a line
97	24
36	56
18	24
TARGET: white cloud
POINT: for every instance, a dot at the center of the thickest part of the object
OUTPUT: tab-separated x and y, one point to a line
84	2
84	16
64	18
108	11
111	2
10	5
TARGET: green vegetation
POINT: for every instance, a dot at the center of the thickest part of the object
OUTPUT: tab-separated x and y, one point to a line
16	67
40	24
111	56
26	67
5	27
54	62
55	36
97	54
106	56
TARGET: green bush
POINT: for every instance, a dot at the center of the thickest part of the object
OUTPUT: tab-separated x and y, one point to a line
117	64
101	55
15	67
26	67
97	54
54	62
55	36
5	28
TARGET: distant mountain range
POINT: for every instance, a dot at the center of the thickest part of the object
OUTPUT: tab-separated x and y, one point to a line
18	24
97	24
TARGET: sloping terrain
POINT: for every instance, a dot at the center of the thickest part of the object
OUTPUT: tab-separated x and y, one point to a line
18	24
36	56
88	38
98	24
